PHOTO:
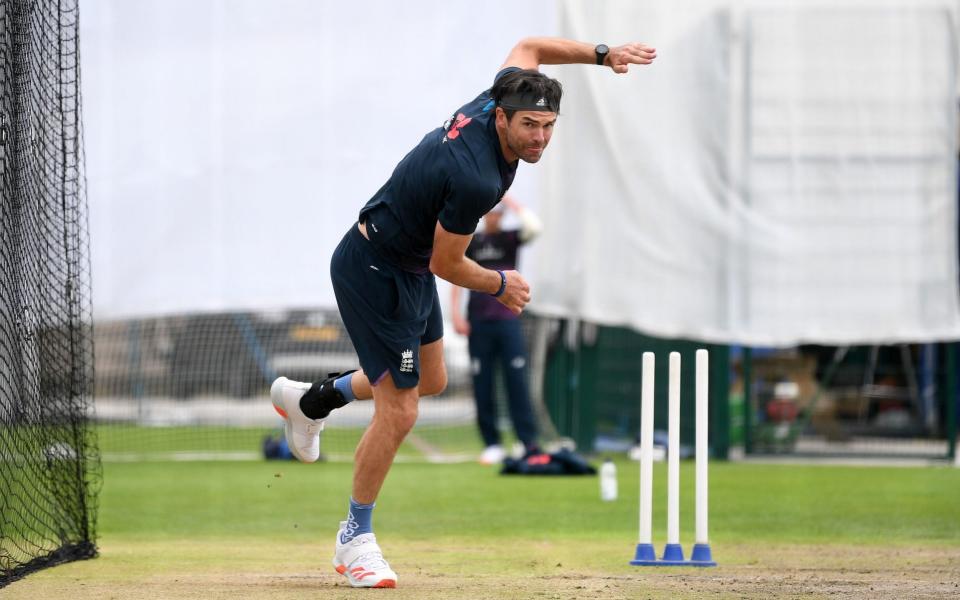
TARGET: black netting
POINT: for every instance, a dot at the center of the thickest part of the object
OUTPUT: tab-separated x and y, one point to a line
49	463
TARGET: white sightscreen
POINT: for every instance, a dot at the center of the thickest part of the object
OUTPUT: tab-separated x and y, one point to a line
231	143
785	172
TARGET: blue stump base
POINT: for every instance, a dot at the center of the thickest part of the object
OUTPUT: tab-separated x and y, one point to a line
672	553
673	556
701	556
645	555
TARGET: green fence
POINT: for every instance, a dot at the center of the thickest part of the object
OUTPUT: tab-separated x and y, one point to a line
898	401
592	387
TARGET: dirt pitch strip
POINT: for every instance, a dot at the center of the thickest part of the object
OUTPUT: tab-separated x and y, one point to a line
788	571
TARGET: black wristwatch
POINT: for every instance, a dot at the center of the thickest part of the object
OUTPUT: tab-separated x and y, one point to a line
601	51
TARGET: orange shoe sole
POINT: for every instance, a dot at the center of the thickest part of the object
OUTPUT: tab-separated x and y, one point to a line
386	583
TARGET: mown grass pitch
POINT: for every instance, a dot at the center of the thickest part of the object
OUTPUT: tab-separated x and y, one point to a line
264	530
134	443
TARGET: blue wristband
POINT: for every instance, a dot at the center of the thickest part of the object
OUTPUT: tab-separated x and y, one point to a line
503	285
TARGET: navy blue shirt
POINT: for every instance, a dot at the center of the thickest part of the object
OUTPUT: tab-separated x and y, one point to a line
496	251
455	175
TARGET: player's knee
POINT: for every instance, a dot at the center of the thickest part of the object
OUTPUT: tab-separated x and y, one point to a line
405	417
435	384
399	414
396	419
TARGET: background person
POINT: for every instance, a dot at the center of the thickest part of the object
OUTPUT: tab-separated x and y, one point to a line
495	333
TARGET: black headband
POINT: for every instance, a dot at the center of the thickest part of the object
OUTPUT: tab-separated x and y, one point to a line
527	101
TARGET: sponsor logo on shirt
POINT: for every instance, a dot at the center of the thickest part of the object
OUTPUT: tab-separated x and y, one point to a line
488	252
454	126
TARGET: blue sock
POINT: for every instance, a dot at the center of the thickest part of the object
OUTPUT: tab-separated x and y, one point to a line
359	520
342	384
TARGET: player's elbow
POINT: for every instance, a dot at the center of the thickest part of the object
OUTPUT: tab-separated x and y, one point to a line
527	52
527	44
440	267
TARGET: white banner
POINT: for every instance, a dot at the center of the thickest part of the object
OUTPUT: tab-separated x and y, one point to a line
231	143
784	173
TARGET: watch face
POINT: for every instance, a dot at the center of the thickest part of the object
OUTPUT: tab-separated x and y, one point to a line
601	51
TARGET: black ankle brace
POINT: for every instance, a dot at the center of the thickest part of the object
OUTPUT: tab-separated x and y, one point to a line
320	399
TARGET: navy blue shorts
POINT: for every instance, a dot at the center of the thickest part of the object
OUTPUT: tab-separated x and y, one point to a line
388	312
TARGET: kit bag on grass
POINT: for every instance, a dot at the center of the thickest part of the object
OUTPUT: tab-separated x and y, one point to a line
562	462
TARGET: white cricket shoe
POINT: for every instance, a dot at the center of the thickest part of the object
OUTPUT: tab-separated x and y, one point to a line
302	432
361	561
492	455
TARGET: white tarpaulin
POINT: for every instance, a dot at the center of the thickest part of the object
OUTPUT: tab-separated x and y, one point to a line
784	172
231	143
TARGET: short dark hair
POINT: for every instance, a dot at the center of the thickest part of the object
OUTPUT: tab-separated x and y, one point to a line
527	82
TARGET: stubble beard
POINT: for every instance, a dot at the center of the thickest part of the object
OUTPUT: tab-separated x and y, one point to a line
519	150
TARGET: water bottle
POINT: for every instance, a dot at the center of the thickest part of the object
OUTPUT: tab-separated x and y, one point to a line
608	481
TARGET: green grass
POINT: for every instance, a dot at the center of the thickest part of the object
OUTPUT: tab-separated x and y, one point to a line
131	440
263	530
748	503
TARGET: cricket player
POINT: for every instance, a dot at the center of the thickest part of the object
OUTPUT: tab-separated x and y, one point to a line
415	228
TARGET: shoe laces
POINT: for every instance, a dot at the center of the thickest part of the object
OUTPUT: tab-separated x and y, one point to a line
313	428
372	560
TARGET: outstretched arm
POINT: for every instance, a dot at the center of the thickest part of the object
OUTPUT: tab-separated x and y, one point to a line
532	52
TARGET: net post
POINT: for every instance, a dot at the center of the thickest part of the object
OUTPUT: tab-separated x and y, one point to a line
953	403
